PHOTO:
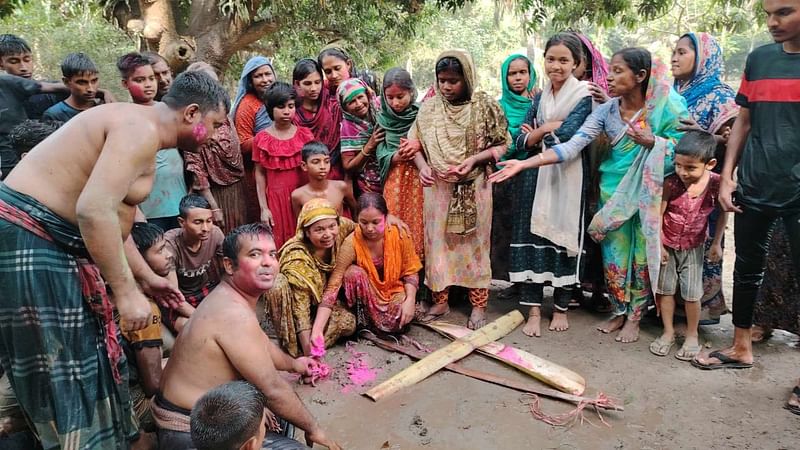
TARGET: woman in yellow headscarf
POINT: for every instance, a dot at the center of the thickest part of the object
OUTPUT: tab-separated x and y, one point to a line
306	261
462	133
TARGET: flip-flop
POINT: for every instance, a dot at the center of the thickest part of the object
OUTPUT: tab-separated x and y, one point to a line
428	317
794	409
660	347
725	362
688	353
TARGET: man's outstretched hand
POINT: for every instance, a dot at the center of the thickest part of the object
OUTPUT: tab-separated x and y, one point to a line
163	291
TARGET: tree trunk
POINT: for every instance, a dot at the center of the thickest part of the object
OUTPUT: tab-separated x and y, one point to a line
160	33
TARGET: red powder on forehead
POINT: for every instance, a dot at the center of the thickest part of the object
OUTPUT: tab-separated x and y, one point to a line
200	133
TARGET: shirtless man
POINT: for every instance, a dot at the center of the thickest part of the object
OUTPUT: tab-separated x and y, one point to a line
223	342
317	164
74	197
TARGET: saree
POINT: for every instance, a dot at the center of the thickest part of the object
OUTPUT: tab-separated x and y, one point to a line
515	106
299	287
58	340
355	133
628	224
457	212
375	284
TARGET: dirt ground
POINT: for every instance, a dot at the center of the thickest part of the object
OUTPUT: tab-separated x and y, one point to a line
668	403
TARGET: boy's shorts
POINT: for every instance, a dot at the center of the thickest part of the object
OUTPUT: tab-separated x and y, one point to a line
684	268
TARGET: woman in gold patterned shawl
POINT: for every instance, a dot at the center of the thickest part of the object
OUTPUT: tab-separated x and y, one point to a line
306	261
462	133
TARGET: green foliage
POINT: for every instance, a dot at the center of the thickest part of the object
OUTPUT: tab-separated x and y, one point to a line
53	31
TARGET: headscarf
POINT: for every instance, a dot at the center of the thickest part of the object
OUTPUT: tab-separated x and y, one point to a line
515	106
711	102
641	188
355	131
395	126
599	65
451	133
297	260
399	261
262	119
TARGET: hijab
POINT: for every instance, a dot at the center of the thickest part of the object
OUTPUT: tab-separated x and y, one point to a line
515	106
262	119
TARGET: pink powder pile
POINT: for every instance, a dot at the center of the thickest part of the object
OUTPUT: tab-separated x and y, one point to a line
318	348
358	369
510	354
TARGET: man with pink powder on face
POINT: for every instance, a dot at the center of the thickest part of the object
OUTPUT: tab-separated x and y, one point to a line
68	206
223	342
169	186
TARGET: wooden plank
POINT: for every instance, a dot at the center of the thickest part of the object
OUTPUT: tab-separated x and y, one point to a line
454	351
559	377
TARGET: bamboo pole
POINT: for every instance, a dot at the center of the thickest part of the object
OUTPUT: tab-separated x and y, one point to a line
495	379
557	376
454	351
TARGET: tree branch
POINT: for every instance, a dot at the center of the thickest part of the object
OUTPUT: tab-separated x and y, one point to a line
255	31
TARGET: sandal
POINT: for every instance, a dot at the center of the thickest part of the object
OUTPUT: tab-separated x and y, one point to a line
794	409
688	353
725	362
660	347
428	318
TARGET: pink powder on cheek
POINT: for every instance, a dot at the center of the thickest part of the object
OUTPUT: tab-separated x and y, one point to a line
381	225
200	133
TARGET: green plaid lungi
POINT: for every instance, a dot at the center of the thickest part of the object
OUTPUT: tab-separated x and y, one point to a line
52	345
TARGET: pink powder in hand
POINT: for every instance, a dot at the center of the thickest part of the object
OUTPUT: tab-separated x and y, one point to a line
318	348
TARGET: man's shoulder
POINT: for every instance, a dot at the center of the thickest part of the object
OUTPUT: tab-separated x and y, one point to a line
174	236
22	87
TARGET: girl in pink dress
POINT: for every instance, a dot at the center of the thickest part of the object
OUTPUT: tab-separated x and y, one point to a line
277	157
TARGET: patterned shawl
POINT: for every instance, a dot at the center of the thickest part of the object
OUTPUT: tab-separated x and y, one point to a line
599	65
641	188
262	119
451	133
396	126
355	132
297	261
515	106
711	102
218	161
399	260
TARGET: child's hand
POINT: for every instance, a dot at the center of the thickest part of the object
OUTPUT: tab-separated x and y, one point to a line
715	253
664	256
526	128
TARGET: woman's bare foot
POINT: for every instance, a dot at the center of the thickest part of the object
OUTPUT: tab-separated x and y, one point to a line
613	324
435	312
477	319
559	322
533	326
629	332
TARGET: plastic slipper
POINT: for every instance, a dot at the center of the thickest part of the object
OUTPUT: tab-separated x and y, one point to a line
688	353
660	347
726	362
794	409
428	318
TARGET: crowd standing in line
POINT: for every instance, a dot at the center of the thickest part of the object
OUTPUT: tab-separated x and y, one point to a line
622	182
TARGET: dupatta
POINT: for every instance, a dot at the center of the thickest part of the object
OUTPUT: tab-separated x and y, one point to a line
262	119
395	126
557	207
641	188
711	102
515	106
399	261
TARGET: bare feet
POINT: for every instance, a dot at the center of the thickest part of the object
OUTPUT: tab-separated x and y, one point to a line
733	358
435	312
477	319
533	326
559	322
612	325
629	332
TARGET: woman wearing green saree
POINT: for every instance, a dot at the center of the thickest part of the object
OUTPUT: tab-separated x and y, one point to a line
642	122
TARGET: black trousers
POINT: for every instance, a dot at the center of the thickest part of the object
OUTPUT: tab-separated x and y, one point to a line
533	294
752	231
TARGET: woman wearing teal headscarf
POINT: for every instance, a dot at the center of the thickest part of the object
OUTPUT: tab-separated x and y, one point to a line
518	78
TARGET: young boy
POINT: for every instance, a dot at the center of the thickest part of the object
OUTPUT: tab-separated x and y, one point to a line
16	90
316	163
29	134
196	246
138	78
143	347
81	77
690	196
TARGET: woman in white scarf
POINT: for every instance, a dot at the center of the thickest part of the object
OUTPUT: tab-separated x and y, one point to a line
548	228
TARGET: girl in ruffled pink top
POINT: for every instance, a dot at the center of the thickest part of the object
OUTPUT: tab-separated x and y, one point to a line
277	154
